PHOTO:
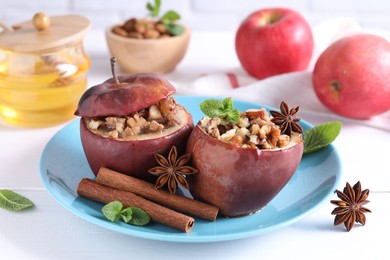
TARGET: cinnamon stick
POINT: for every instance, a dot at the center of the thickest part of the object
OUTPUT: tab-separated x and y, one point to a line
91	189
147	190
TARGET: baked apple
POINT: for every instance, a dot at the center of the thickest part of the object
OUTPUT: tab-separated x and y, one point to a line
127	119
244	165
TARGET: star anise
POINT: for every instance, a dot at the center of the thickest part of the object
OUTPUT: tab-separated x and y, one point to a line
351	206
286	119
172	171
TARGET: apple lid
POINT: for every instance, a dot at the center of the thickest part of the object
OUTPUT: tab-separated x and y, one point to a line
133	93
44	33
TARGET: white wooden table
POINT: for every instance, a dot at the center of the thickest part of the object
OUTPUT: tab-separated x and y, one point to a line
49	231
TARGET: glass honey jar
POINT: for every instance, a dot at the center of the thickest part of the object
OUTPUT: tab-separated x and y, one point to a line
43	70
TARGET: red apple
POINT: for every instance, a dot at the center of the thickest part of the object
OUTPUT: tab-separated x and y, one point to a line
239	181
351	77
120	97
274	41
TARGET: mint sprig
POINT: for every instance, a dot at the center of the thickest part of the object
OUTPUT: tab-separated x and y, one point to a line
320	136
223	109
13	201
114	211
169	19
154	9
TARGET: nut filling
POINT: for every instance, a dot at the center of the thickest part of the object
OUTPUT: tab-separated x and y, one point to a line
253	130
163	118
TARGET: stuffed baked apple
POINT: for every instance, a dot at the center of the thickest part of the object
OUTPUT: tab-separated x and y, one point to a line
244	159
127	119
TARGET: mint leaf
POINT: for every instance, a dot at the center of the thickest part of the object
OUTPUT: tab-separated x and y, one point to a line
171	16
154	10
157	7
222	109
227	104
320	136
139	217
112	211
126	214
12	201
174	29
131	215
150	7
233	116
212	108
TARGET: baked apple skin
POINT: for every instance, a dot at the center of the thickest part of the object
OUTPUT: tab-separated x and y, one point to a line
131	94
239	181
133	157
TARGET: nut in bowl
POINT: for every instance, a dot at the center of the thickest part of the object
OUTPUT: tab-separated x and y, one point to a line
153	44
243	159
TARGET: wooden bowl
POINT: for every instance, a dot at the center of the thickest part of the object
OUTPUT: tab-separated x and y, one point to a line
147	55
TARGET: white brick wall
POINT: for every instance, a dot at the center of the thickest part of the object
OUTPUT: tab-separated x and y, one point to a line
200	14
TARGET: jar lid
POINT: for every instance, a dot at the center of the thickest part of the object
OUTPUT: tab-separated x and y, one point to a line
29	36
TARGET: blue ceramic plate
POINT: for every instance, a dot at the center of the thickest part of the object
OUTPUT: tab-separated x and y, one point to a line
63	164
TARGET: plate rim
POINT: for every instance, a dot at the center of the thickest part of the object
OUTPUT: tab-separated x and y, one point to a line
173	237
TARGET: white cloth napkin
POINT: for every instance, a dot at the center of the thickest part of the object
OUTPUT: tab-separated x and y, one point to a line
294	88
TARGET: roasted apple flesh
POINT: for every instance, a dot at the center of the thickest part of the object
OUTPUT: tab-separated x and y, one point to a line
242	166
125	124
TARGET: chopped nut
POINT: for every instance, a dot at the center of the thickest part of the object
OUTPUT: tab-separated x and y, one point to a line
237	140
254	139
154	126
94	124
259	121
129	132
255	113
214	132
255	129
243	122
283	141
205	121
115	123
167	105
154	113
228	135
264	131
243	133
274	136
113	134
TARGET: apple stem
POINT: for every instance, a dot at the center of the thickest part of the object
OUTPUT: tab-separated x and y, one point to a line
113	61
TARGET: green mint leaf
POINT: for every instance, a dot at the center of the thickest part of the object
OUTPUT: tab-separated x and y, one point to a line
320	136
112	211
174	29
12	201
150	7
171	16
212	108
126	214
139	217
227	104
157	4
233	116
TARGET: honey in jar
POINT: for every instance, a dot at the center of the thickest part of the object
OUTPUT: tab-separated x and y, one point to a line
43	70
